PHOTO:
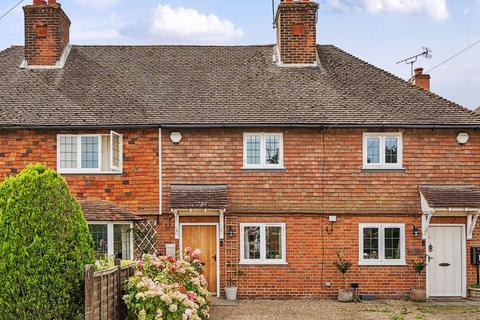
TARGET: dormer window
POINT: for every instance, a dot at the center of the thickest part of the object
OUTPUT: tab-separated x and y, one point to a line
89	153
263	151
382	150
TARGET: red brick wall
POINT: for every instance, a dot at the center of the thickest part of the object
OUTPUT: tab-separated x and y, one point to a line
299	195
137	187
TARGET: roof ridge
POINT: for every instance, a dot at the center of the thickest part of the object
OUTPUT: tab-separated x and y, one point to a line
169	45
395	77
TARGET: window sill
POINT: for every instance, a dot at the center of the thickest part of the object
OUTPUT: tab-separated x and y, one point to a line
263	168
90	173
384	169
263	263
382	263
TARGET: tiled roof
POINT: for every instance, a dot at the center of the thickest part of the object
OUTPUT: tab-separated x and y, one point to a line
100	210
451	196
198	196
126	86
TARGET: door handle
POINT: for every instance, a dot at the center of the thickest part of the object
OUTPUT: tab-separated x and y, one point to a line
214	257
444	264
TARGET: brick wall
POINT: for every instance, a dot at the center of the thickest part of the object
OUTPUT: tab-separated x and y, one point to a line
137	187
47	33
323	176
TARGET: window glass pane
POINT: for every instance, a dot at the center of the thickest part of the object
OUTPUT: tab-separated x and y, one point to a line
274	242
116	150
121	241
392	243
373	150
391	150
253	149
99	234
68	152
251	242
370	243
272	148
89	152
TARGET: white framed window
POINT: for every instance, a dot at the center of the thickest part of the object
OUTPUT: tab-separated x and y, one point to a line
90	153
113	238
262	243
381	244
383	150
263	150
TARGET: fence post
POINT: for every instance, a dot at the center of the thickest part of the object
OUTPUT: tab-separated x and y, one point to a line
118	289
89	271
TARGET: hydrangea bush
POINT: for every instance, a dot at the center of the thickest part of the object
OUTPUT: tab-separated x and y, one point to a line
166	288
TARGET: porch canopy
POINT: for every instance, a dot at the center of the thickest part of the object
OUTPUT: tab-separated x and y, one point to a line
101	210
198	200
450	200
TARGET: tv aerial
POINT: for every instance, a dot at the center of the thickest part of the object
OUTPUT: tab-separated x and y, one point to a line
427	53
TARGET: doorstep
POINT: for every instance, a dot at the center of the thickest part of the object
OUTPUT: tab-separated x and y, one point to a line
220	302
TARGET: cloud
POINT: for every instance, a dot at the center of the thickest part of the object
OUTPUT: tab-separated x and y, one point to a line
98	4
436	9
189	25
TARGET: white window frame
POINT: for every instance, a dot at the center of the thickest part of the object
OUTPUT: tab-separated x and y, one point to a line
120	150
263	154
263	244
381	261
382	136
79	169
110	235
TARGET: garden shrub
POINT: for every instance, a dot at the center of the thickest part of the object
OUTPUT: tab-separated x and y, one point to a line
44	245
167	288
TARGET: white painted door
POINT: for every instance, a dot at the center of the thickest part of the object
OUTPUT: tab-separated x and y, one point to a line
445	261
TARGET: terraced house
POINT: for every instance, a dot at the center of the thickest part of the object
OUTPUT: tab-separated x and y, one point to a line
271	159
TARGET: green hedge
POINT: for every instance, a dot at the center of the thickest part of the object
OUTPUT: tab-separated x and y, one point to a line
44	246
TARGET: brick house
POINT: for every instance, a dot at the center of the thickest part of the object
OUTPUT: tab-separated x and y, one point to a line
272	159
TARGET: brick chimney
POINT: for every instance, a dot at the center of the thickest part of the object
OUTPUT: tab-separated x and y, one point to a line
47	33
296	22
421	80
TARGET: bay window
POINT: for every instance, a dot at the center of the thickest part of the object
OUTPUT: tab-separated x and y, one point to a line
113	239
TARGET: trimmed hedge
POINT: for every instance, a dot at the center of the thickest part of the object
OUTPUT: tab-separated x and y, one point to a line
44	245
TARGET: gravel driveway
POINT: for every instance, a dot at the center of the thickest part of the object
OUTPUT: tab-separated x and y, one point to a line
332	310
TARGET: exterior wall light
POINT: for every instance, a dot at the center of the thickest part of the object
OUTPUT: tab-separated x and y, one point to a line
462	138
230	232
415	231
176	137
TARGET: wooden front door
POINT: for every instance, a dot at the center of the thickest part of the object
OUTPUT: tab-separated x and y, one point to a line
203	237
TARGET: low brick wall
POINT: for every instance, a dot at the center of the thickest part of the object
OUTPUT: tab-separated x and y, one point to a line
104	291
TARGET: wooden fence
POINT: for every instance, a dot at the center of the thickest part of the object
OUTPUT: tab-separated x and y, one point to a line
104	292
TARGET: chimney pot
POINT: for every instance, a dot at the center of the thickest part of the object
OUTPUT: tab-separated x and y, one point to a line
39	2
418	71
421	80
52	2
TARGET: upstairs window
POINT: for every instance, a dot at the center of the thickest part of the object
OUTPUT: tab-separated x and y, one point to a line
382	150
263	150
91	153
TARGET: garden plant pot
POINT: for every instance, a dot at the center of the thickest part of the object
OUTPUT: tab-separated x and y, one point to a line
474	293
418	295
345	295
231	293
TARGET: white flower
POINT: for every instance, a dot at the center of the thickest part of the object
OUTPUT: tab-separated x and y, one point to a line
173	308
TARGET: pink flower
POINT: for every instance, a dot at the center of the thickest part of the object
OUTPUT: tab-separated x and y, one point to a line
188	250
140	264
187	258
192	296
197	253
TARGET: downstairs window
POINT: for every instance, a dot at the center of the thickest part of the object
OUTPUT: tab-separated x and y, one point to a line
113	239
381	244
262	243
